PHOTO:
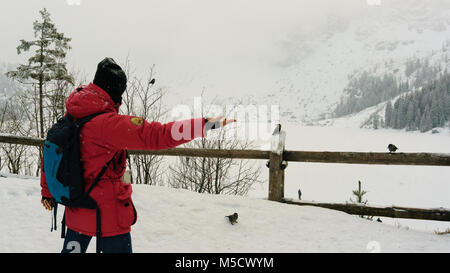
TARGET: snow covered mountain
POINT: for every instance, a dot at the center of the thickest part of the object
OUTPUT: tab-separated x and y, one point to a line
318	64
408	76
297	54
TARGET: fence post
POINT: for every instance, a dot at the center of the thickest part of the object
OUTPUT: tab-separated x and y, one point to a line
277	165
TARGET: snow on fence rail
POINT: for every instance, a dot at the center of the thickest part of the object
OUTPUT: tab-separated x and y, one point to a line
278	159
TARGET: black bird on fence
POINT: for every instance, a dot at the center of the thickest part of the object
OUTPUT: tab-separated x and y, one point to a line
392	148
233	218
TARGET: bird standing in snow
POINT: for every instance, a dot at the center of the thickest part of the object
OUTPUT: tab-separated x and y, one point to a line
233	218
392	148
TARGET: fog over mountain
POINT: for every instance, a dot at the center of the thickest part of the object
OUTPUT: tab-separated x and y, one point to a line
297	54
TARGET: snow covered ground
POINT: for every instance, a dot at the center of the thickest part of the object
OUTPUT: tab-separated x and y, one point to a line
413	186
181	221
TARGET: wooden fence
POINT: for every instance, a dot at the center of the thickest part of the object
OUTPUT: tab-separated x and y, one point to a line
277	162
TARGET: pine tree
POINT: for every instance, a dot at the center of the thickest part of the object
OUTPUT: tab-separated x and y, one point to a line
410	116
425	122
359	199
435	111
395	114
388	115
359	195
401	113
376	121
47	64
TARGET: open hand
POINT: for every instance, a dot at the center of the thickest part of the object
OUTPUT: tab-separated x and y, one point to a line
223	121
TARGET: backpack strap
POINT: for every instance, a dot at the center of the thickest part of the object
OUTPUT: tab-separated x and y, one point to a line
97	209
99	176
98	230
63	226
55	213
80	122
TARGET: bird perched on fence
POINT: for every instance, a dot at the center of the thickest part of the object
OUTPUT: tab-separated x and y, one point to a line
233	218
276	134
392	148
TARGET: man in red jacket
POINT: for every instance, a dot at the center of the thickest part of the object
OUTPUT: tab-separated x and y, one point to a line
105	138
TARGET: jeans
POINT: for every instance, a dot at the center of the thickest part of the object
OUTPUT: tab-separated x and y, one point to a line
78	243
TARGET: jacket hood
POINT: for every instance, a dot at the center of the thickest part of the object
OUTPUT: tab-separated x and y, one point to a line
91	99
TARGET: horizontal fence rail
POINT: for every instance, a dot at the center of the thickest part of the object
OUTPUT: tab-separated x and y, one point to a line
30	141
278	157
424	159
237	154
440	214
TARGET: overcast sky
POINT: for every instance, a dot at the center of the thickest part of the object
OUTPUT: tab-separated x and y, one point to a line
212	39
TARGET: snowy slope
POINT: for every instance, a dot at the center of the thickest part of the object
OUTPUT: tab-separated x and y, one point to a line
299	54
318	64
439	60
180	221
413	186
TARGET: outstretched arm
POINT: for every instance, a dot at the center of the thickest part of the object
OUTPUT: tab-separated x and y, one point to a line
133	133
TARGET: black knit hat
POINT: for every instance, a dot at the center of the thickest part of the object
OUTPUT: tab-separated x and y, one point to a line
111	78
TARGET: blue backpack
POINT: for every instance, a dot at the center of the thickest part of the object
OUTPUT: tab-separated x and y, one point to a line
63	169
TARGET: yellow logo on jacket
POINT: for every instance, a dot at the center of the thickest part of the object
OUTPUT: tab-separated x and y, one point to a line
137	121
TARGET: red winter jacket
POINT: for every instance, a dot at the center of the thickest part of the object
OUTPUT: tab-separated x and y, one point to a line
104	137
